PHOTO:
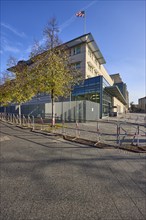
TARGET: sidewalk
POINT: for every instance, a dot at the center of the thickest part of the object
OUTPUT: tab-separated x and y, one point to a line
48	178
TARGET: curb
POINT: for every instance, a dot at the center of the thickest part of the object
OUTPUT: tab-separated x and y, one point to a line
45	133
87	142
21	127
99	145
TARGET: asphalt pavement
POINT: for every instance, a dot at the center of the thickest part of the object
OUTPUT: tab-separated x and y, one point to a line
46	177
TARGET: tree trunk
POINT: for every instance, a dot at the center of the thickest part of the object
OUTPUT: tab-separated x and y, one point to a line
53	112
20	113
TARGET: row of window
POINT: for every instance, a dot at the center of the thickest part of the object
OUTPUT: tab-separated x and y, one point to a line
76	65
77	50
93	57
92	70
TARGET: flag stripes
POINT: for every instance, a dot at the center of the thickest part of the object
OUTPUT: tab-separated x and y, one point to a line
80	14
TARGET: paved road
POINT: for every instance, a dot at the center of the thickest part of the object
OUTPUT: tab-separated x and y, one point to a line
45	177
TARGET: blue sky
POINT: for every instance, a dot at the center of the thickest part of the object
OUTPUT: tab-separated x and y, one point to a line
118	27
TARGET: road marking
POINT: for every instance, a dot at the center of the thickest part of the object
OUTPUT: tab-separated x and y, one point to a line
4	138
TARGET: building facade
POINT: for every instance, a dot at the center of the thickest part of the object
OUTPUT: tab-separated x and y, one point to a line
98	86
122	86
142	104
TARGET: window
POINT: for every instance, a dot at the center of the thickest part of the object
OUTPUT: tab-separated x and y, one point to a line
90	54
77	50
95	72
90	68
78	65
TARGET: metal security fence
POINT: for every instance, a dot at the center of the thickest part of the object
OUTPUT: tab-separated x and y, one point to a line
131	133
112	131
22	120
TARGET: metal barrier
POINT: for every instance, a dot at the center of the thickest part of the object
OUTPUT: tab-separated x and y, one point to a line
134	132
77	130
113	132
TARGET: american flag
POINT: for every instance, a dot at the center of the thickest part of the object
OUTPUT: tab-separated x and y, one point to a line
80	14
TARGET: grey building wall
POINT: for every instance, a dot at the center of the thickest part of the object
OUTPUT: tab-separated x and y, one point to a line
75	110
33	109
92	110
142	104
68	110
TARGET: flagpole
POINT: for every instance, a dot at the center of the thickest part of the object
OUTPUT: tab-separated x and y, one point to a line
83	15
85	23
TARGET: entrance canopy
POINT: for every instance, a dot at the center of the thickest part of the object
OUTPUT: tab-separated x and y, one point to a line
115	92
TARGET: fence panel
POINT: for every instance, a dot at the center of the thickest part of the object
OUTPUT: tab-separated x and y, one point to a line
125	131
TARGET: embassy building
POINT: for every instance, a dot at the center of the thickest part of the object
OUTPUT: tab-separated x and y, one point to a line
98	96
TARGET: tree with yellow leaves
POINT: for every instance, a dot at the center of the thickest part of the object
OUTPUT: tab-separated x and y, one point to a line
17	90
47	71
52	69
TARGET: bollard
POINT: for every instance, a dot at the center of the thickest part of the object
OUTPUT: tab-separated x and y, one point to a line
17	119
98	132
28	122
23	121
11	118
32	122
118	135
20	119
41	123
138	135
14	119
77	130
63	128
8	117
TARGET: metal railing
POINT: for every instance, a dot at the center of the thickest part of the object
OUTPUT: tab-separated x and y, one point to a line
112	132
